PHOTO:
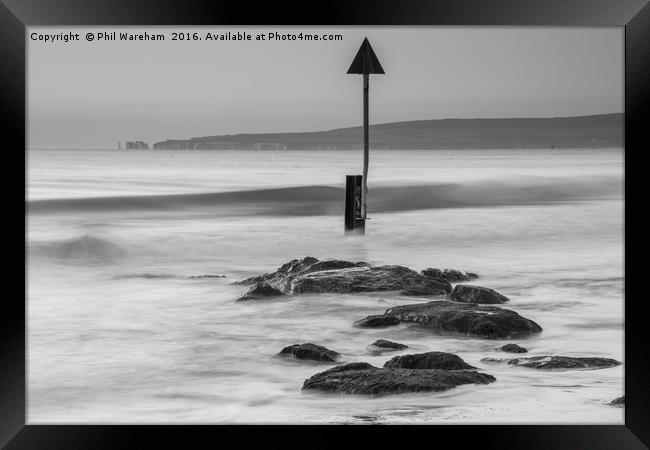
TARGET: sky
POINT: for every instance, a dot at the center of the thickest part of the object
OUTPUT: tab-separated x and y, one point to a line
94	94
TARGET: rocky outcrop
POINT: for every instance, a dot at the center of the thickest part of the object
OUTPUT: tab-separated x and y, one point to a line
451	275
363	378
558	362
463	318
259	291
511	348
378	321
385	345
466	293
311	275
429	360
311	352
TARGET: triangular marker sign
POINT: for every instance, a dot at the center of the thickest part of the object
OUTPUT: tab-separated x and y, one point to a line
366	61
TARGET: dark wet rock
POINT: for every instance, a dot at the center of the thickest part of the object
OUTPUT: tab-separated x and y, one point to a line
362	378
309	264
618	401
452	275
310	351
494	360
512	348
369	279
349	366
429	360
557	362
388	345
466	293
377	321
208	276
260	290
563	362
464	318
311	275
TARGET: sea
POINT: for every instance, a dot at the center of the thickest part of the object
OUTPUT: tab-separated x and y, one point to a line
121	328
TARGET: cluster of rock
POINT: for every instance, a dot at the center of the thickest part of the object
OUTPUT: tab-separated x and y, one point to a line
459	318
425	372
311	275
465	309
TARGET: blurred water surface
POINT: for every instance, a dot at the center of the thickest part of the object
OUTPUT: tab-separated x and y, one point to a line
119	333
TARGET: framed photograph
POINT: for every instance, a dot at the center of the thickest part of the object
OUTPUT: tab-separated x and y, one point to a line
240	218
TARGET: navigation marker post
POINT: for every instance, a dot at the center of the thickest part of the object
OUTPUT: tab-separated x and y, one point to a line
356	188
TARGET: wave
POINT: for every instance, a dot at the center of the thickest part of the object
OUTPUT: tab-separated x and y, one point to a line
324	200
85	248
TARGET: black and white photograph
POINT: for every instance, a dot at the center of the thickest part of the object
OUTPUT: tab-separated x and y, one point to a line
325	225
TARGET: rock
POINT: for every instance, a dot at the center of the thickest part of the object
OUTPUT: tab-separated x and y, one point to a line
466	293
369	279
511	348
310	351
429	360
563	362
465	318
618	401
377	322
494	360
388	345
310	275
260	290
362	378
452	275
208	276
350	366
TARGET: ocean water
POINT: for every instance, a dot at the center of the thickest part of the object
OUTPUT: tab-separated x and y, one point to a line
118	332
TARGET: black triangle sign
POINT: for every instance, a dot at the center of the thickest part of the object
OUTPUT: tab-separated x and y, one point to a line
366	61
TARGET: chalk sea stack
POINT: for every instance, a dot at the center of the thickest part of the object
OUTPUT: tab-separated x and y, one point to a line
310	352
365	379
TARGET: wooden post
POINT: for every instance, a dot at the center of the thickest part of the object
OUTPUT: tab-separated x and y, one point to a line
366	145
356	189
354	223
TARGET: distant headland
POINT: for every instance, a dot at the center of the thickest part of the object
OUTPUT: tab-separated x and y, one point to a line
599	131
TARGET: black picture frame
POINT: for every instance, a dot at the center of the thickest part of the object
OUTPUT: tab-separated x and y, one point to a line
16	15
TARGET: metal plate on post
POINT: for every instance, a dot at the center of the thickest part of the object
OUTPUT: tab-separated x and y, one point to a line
354	222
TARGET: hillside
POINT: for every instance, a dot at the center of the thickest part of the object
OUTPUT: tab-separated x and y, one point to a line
604	130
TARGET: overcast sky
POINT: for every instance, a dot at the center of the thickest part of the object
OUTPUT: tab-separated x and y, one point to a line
94	94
